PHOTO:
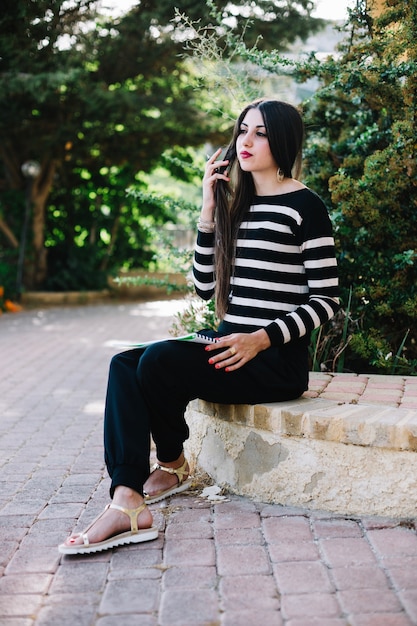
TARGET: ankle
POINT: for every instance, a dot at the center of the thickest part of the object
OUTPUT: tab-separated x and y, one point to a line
174	464
127	496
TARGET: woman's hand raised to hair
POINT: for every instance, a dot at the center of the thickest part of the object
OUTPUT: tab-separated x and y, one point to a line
211	176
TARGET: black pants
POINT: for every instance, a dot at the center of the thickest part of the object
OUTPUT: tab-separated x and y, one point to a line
148	392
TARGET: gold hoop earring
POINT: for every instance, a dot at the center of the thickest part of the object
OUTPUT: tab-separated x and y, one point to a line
280	175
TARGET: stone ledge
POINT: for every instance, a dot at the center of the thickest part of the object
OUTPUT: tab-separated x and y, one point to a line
329	420
318	453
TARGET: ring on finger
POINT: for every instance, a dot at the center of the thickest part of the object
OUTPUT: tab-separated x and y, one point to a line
232	351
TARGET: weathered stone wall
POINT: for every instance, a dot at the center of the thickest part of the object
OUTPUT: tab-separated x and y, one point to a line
314	453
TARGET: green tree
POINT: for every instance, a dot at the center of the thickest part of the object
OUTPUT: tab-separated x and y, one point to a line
96	100
82	98
362	158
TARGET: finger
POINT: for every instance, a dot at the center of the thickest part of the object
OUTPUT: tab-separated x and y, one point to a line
234	367
222	359
214	156
216	345
213	169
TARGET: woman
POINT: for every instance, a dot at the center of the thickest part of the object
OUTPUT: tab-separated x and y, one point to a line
265	250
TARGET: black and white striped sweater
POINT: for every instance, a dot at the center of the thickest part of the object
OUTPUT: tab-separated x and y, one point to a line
285	273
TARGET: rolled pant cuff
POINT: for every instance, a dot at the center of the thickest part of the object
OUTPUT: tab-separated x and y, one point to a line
128	476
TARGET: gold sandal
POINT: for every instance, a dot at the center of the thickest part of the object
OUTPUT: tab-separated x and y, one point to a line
182	485
134	535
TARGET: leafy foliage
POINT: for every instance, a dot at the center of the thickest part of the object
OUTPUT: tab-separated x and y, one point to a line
97	100
361	158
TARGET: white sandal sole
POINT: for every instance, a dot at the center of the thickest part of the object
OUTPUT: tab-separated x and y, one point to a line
168	492
134	535
147	534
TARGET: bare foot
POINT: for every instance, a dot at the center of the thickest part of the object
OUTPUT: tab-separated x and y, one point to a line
112	522
160	481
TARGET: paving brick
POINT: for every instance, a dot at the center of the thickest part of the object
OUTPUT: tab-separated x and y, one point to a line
408	597
302	577
391	542
398	561
385	384
346	397
192	516
73	577
17	621
277	510
127	620
248	593
378	398
8	549
130	596
48	532
293	551
375	522
28	583
80	613
359	577
190	578
66	510
233	520
311	604
19	605
234	560
408	403
40	559
190	552
239	536
317	621
189	530
382	619
235	563
346	551
293	528
137	556
326	529
200	608
354	601
143	573
252	618
403	577
351	386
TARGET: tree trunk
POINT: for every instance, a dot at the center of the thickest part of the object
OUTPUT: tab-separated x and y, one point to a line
37	272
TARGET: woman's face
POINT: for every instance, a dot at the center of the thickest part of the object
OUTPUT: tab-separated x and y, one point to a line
252	145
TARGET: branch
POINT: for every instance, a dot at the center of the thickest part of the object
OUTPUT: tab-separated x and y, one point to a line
4	228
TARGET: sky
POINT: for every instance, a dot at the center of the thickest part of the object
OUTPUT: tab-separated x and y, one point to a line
328	9
332	9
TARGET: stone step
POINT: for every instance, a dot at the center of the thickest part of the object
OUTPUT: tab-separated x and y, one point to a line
348	446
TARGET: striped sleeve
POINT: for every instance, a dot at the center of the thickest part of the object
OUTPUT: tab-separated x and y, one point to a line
203	267
320	267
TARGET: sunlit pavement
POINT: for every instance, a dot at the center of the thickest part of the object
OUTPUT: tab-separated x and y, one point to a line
233	562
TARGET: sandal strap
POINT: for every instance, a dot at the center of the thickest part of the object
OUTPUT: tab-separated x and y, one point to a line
132	513
179	471
84	536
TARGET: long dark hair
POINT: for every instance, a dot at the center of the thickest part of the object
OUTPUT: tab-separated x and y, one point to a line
285	132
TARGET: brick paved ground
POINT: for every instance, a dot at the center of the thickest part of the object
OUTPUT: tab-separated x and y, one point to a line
231	563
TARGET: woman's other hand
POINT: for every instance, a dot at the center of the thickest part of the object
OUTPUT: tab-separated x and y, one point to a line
237	349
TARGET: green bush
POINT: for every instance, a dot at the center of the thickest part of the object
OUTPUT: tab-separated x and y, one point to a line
360	157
